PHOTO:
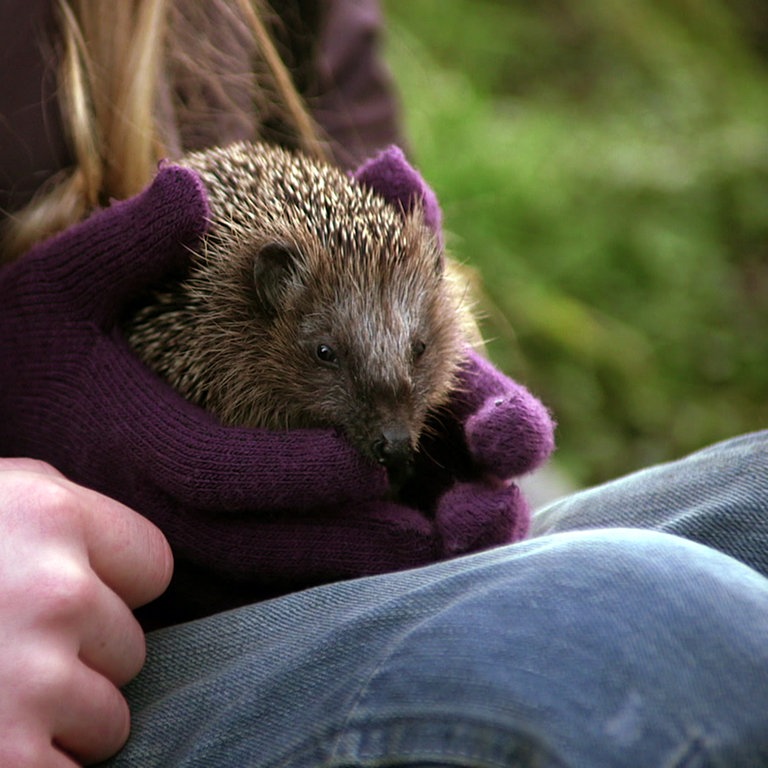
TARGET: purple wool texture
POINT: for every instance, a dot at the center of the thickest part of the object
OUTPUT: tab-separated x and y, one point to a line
392	177
249	513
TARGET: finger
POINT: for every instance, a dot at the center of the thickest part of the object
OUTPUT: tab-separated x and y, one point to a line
112	641
511	434
306	468
321	545
72	605
58	759
477	381
125	550
26	749
162	224
28	465
183	452
390	175
128	552
508	431
92	722
471	517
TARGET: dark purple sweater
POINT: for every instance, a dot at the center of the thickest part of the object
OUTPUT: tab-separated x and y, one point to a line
331	47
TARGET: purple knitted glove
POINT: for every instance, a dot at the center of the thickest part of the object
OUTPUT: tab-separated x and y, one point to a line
74	394
492	430
505	432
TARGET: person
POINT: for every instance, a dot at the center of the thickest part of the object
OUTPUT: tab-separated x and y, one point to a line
605	646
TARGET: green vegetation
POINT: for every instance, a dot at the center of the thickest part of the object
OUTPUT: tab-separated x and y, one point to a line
604	167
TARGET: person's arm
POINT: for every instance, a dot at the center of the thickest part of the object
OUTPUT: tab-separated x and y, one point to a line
355	100
73	563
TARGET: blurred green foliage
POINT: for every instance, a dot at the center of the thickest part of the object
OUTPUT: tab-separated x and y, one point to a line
603	166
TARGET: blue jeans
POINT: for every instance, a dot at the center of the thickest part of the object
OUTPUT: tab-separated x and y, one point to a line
717	496
605	647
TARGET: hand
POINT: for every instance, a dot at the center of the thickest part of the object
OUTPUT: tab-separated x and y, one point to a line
504	432
461	498
72	565
74	394
492	431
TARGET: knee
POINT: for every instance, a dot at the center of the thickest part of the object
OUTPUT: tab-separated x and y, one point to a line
607	643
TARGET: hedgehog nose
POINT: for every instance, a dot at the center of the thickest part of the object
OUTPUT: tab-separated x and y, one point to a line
393	447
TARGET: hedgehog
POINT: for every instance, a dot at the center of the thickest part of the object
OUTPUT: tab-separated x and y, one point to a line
311	301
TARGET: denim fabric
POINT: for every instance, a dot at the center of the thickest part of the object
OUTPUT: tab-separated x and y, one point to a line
589	649
606	648
717	496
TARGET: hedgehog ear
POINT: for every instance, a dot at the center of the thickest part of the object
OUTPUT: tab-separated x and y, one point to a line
391	176
273	264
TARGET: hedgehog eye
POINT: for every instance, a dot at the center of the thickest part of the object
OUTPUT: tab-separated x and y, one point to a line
326	355
418	348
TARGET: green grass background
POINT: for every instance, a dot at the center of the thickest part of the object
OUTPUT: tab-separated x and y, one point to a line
603	166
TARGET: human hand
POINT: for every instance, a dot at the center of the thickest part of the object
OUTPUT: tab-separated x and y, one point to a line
73	564
74	394
460	498
492	431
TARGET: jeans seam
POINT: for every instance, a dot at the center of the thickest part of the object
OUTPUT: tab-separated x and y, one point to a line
695	753
387	654
413	740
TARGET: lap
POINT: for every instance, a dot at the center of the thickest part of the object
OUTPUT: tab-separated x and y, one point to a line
717	496
597	648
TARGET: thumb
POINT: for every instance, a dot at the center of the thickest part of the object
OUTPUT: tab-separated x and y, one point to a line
100	263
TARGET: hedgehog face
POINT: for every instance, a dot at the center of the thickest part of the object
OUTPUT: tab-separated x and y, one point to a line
311	302
366	339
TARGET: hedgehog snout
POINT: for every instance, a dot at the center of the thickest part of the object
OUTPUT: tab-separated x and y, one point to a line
392	447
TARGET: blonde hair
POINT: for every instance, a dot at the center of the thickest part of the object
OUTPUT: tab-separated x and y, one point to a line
112	66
